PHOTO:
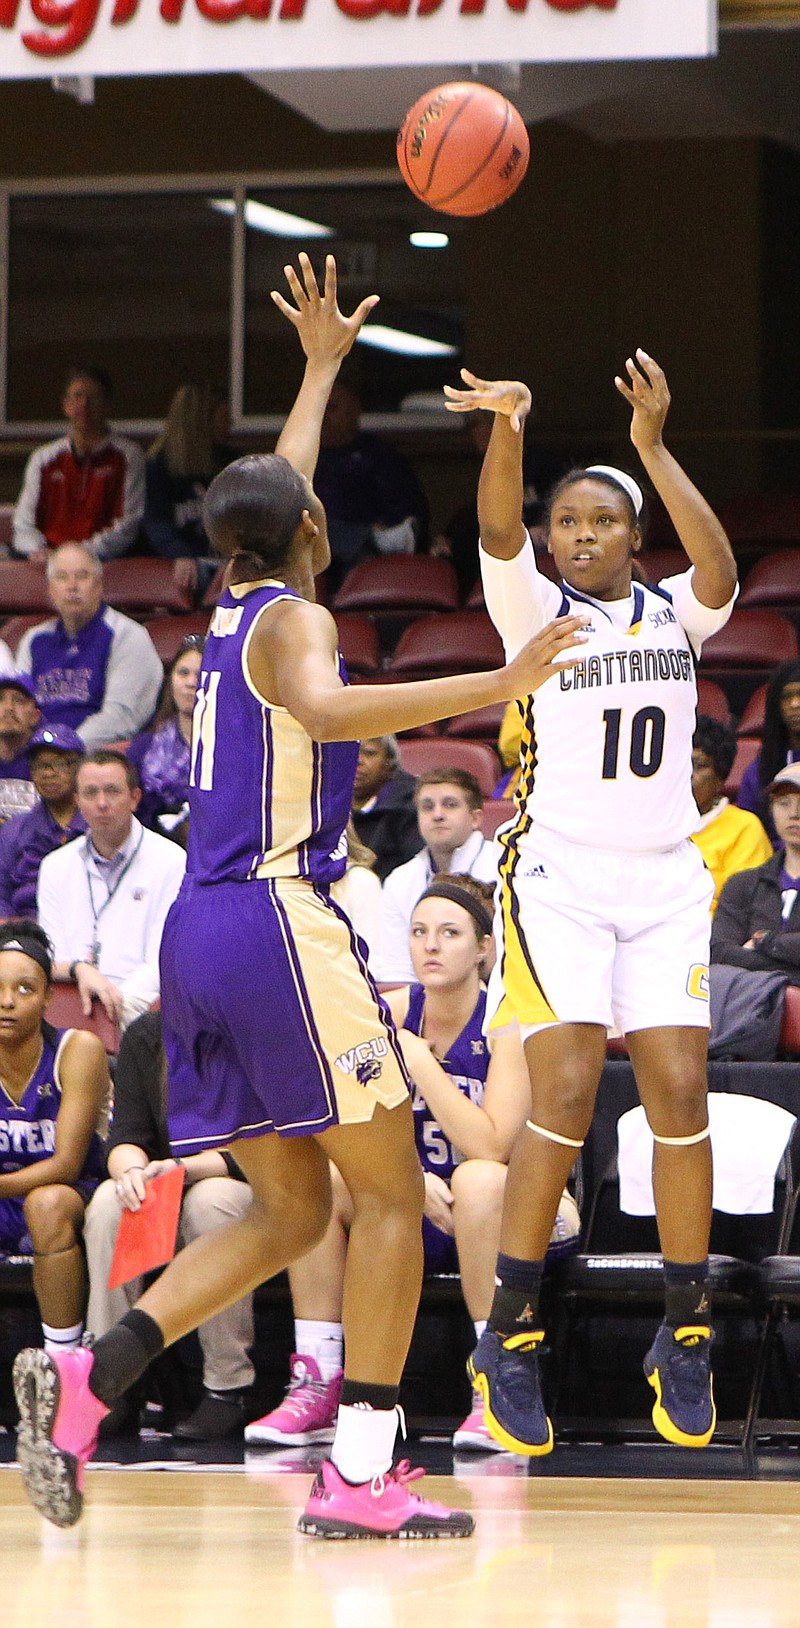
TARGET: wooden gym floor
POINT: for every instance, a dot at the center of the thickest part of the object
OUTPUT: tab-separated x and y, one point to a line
213	1546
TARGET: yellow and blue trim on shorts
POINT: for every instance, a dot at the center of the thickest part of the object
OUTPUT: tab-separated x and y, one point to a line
524	997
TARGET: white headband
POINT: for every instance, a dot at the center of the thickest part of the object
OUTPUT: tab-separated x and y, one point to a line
627	483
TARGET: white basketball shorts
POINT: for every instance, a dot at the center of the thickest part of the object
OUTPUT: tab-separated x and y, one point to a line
591	935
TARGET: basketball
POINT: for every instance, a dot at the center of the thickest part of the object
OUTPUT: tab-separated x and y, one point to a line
463	149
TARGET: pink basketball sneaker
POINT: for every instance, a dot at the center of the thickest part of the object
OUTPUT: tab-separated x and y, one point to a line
306	1414
381	1508
59	1421
474	1434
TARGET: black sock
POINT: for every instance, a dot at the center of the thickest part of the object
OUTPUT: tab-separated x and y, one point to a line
380	1398
686	1296
121	1355
515	1307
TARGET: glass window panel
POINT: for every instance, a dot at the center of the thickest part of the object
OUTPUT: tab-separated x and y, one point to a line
369	230
136	283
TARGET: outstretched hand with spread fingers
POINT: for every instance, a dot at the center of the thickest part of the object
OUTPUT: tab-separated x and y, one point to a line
547	654
649	397
325	333
506	396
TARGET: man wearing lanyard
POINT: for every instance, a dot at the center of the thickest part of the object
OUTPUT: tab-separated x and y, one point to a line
449	806
103	899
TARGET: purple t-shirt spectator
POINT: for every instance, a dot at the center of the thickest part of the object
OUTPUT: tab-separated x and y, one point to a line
751	797
162	758
70	672
17	794
24	842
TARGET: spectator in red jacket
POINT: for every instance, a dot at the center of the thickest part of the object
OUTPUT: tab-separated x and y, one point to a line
87	487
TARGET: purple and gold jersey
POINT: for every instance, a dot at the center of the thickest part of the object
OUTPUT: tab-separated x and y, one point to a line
466	1062
266	801
28	1127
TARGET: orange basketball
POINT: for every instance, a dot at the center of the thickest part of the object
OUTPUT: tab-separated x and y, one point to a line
463	149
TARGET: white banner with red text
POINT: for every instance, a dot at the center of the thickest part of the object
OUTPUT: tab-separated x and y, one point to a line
42	38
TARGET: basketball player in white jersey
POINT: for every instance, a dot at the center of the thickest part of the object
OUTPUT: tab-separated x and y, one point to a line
604	900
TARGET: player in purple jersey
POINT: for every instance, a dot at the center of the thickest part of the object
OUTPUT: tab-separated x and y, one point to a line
54	1086
467	1109
271	1021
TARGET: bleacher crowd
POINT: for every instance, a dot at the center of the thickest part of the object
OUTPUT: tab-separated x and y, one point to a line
106	594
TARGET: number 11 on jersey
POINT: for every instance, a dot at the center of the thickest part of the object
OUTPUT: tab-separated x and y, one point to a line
204	732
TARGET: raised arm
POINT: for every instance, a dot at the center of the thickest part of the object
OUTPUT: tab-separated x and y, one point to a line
500	488
703	537
294	664
326	336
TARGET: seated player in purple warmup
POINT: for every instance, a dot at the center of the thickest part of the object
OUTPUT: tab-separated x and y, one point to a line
271	1020
55	1086
54	753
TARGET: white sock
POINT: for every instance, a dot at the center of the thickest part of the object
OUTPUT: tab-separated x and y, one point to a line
322	1341
364	1442
480	1328
62	1339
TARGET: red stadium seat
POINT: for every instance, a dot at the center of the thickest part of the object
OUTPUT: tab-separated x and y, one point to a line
399	585
6	524
13	629
496	812
744	653
790	1027
358	642
763	520
23	588
464	641
752	724
64	1011
655	563
774	580
746	750
141	584
712	701
483	725
419	756
169	632
753	639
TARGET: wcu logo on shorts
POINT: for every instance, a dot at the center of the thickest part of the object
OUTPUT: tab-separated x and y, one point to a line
365	1060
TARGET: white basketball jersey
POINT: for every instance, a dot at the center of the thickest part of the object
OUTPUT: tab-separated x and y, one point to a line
607	745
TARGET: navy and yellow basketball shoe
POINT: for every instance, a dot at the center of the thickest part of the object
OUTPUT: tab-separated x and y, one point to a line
678	1366
505	1371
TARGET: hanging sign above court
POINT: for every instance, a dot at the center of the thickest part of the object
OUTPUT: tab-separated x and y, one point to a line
42	38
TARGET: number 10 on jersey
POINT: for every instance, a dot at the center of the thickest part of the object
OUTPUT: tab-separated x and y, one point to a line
646	745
